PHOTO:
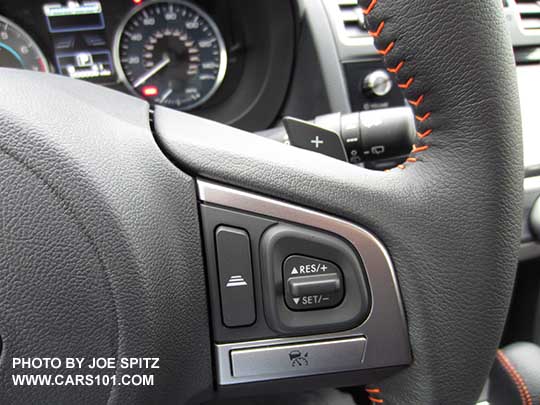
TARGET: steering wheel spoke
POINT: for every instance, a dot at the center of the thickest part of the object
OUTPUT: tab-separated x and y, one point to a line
107	246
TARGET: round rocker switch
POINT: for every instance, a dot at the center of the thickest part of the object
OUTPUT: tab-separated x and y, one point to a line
311	283
287	252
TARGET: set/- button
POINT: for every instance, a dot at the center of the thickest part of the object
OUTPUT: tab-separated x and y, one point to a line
311	283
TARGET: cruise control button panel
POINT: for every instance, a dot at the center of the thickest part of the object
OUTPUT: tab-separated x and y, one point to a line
295	296
311	283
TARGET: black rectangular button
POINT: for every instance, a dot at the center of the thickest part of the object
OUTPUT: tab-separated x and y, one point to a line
316	284
235	276
311	283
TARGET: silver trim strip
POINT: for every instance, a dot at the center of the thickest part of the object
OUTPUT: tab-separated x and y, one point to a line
520	36
385	328
531	183
296	360
329	60
348	48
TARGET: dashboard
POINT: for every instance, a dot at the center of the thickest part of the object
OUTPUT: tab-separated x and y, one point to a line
225	61
242	63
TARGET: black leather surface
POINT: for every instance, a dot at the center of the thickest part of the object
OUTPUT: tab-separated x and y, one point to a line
451	221
99	246
319	397
515	376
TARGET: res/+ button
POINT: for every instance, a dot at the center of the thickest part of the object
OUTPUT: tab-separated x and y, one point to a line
311	283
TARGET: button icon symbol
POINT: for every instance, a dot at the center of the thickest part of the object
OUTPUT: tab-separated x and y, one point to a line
236	281
84	59
294	271
316	141
372	121
377	150
296	300
297	359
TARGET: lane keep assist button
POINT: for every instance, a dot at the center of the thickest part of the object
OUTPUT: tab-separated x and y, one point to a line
299	359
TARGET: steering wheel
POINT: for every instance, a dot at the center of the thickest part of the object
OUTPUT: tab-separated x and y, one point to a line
101	252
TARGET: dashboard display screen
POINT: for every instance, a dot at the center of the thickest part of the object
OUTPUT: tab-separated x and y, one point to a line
74	16
81	49
230	61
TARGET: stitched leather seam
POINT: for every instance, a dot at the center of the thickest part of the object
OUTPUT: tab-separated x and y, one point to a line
370	7
421	135
397	68
524	394
423	117
415	103
386	50
407	84
374	395
416	148
377	32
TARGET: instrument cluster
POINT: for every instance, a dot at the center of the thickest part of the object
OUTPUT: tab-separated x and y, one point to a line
190	56
172	52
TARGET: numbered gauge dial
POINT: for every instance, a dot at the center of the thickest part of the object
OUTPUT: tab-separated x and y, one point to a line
18	50
171	53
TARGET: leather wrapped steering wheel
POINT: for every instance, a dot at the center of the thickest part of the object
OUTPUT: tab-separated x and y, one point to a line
101	252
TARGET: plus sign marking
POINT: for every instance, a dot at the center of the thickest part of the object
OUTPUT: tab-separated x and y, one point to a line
317	141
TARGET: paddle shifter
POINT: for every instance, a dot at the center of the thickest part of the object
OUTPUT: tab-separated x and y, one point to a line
377	138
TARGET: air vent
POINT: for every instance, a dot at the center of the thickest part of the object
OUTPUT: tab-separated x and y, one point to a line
352	17
529	10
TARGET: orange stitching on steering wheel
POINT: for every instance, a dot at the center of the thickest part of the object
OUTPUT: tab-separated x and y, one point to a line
524	394
407	84
370	7
397	68
377	32
424	134
415	103
424	117
373	395
386	50
416	149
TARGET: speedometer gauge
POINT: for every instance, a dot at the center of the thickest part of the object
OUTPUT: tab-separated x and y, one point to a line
170	53
18	50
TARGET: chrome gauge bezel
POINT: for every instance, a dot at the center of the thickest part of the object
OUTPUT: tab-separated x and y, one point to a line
8	22
221	44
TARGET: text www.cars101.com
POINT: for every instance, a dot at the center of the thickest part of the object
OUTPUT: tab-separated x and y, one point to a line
81	380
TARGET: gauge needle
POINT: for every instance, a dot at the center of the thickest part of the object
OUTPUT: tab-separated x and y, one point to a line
147	75
167	94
